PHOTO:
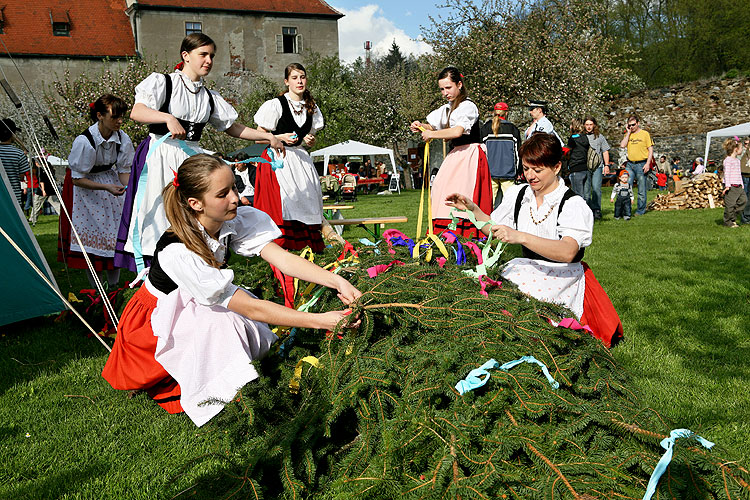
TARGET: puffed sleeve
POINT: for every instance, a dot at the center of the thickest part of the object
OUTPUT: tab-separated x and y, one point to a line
254	229
152	91
465	115
268	115
436	117
317	121
577	221
503	214
82	158
127	153
224	114
207	285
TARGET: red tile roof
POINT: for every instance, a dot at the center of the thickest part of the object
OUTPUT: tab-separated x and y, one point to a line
97	28
319	7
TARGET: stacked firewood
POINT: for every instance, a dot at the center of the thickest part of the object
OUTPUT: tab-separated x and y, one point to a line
702	191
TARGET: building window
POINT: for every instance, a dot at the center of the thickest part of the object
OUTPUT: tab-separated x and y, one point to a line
2	20
60	22
289	42
193	27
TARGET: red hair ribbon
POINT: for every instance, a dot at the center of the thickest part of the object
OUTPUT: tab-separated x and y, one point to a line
462	76
174	181
92	104
180	65
736	138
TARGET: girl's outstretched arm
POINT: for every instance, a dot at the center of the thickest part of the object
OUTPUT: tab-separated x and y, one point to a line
298	267
276	314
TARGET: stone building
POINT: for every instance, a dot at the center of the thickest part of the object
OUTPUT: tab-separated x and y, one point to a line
48	37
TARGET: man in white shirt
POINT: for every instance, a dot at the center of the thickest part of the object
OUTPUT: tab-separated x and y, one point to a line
540	123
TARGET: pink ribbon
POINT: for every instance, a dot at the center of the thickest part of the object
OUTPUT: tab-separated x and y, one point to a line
449	238
475	249
441	261
381	268
573	325
485	283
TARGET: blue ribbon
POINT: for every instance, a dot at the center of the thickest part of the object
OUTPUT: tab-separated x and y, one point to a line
459	251
287	344
479	376
668	444
398	241
369	243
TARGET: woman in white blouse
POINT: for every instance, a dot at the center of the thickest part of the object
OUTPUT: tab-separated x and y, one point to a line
554	226
291	195
99	164
464	170
189	335
178	103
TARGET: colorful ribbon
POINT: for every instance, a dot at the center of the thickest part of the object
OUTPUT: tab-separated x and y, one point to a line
668	444
297	377
485	283
369	243
572	324
479	376
381	268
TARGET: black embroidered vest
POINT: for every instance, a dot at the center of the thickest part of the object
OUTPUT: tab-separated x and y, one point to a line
287	124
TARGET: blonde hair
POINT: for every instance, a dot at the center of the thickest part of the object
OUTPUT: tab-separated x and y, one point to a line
497	118
730	144
192	180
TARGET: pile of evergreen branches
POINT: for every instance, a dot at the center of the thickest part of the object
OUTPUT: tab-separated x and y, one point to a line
380	417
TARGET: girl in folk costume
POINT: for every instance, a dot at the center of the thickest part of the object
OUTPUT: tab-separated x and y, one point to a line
99	161
189	335
291	195
178	103
465	168
554	226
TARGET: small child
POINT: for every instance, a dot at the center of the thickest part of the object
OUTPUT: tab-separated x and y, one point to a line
624	194
735	198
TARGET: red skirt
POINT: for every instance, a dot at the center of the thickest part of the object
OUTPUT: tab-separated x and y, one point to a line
64	254
599	312
482	196
131	364
295	235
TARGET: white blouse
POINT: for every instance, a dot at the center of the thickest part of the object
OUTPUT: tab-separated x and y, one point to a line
576	219
184	104
465	115
269	113
250	232
83	157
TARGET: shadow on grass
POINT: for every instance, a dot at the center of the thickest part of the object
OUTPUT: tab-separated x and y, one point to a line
53	486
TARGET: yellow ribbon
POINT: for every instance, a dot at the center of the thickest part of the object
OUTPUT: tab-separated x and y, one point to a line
425	179
309	255
72	298
297	377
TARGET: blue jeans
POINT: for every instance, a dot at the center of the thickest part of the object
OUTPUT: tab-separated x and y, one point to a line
635	170
622	207
746	212
577	183
593	189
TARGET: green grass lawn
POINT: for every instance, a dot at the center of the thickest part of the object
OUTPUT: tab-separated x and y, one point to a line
678	279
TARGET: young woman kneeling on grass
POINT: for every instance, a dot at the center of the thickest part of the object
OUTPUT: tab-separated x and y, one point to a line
554	226
189	334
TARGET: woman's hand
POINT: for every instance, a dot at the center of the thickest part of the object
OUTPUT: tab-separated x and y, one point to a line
460	202
309	140
507	234
427	135
415	126
115	189
288	138
175	127
348	294
329	320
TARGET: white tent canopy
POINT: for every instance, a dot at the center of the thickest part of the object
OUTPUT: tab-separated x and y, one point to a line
353	148
738	130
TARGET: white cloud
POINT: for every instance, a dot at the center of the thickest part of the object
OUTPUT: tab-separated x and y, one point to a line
368	23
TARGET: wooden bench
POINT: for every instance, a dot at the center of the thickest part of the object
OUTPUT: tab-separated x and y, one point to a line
378	223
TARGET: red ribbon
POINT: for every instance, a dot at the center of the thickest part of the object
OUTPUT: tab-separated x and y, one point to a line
174	180
381	268
485	283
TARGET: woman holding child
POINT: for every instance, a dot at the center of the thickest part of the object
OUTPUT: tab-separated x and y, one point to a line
554	226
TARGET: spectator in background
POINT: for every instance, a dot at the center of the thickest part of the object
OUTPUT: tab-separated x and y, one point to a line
734	193
42	192
698	166
30	186
246	174
540	123
501	140
622	196
745	171
676	165
593	187
14	160
640	155
578	143
663	166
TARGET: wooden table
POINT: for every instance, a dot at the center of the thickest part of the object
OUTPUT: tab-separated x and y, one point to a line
378	223
368	183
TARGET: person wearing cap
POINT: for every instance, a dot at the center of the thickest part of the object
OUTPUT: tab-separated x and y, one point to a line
540	122
14	160
622	196
699	166
501	141
640	156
